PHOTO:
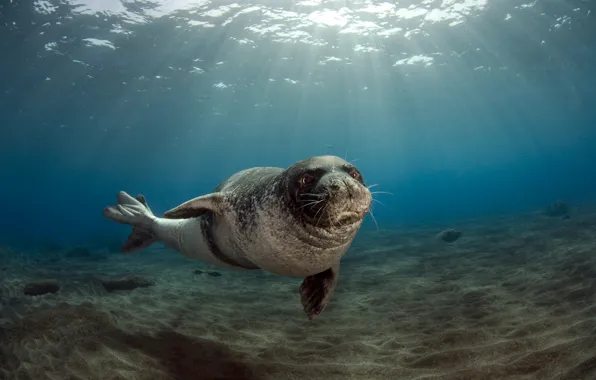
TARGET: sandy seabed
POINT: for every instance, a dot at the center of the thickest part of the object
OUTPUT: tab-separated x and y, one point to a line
513	299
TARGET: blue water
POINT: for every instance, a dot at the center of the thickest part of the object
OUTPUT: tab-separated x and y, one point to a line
460	109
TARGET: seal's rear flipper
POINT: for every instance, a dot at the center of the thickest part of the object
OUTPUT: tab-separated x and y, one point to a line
135	212
316	290
196	207
139	238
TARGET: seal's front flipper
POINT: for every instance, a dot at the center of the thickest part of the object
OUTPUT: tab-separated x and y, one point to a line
196	207
316	290
135	212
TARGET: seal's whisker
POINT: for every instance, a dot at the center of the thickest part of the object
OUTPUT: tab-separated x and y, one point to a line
373	218
313	195
332	224
323	213
381	192
311	204
379	202
318	211
371	186
314	201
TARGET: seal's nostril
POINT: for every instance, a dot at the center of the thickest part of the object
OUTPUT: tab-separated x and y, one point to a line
349	189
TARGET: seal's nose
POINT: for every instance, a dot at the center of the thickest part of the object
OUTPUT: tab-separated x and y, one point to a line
349	188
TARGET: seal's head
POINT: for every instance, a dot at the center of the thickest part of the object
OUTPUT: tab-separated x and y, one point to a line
326	192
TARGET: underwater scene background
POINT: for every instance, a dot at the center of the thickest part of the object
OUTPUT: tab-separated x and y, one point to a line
472	115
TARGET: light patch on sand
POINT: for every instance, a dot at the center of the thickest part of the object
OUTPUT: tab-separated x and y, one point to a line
220	85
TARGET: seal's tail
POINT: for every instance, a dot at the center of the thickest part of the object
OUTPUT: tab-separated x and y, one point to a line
134	212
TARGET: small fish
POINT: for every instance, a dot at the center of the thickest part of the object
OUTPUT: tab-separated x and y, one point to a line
328	148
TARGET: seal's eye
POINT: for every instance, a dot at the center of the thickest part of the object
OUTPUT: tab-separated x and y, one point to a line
354	174
306	179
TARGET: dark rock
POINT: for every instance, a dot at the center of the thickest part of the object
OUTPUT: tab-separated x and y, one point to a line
449	235
211	273
559	208
125	283
41	287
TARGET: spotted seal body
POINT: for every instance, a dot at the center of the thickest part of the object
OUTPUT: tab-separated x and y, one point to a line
297	221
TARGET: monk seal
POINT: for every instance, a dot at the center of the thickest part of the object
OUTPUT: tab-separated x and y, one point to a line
297	221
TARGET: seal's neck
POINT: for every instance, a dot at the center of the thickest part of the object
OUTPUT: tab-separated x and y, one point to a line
332	236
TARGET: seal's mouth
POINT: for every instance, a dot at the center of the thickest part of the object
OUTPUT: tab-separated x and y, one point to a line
350	217
336	208
347	204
